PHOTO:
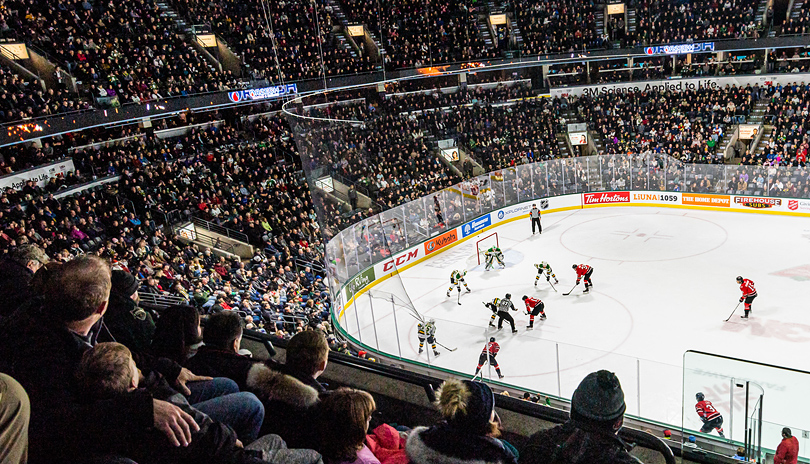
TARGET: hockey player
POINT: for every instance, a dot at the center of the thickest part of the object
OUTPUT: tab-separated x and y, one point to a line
748	294
534	307
584	272
493	253
544	268
500	308
427	330
712	420
457	278
490	351
534	215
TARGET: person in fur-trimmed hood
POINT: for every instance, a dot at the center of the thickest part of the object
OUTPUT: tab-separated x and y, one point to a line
289	391
467	435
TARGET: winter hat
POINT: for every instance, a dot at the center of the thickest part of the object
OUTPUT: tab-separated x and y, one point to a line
599	397
466	404
123	283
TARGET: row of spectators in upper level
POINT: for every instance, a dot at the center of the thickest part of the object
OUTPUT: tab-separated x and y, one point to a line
292	39
128	50
687	125
25	98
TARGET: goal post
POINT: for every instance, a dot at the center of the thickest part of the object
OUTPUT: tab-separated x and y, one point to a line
483	244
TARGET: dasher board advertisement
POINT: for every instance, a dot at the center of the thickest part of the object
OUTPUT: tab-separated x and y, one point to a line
578	138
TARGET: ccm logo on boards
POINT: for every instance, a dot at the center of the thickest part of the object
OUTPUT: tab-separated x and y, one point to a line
606	197
441	241
400	260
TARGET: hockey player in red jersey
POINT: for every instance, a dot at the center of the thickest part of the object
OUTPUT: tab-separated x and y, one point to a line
490	350
712	420
748	294
534	307
584	272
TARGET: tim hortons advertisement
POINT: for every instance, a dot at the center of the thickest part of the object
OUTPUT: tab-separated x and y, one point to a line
699	199
441	241
602	198
758	202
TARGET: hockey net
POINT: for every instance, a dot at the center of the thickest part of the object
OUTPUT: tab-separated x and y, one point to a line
483	244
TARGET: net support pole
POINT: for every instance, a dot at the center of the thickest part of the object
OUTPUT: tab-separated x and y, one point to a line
396	325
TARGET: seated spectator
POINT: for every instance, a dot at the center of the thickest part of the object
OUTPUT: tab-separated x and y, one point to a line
177	332
15	413
590	435
129	324
108	371
348	411
16	272
468	432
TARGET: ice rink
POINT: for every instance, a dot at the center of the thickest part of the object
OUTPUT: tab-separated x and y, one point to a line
664	282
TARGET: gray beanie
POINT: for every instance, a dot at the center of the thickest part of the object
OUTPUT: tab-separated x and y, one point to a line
599	397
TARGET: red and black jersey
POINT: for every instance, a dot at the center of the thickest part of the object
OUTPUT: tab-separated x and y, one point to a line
706	410
582	269
492	348
531	303
747	288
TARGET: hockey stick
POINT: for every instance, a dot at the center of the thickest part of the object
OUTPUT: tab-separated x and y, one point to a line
572	289
552	285
732	313
458	300
446	348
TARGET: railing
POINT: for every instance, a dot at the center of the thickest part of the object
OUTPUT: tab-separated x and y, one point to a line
215	242
159	302
221	230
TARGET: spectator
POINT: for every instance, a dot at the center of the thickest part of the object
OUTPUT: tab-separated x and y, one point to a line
177	333
467	432
108	371
788	450
590	435
15	413
740	456
16	272
129	324
348	411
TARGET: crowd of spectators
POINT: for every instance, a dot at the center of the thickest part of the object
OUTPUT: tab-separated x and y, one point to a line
298	44
557	27
686	125
788	143
25	98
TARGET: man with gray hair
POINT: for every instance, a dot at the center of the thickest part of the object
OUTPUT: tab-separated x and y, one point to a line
16	272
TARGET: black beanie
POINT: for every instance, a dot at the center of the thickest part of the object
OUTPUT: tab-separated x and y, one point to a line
123	283
599	397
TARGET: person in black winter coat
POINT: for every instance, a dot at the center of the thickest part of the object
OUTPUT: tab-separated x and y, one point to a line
590	435
128	324
16	272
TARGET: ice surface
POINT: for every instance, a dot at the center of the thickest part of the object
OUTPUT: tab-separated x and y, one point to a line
664	283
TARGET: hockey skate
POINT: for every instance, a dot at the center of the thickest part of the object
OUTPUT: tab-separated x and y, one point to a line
436	353
468	289
587	290
421	350
543	317
491	324
535	283
529	327
500	376
514	331
448	294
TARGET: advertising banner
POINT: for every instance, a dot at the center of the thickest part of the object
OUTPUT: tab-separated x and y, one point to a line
758	202
672	198
359	282
749	131
700	199
475	225
578	138
441	241
406	257
678	85
798	205
40	175
512	211
602	198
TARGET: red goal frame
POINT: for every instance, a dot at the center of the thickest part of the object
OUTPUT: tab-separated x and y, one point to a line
479	251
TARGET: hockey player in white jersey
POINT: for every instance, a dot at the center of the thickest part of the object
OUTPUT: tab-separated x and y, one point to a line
544	268
492	254
457	279
427	331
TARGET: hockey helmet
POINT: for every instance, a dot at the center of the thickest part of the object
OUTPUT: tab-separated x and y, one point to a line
431	321
508	296
524	297
574	266
739	279
492	339
699	396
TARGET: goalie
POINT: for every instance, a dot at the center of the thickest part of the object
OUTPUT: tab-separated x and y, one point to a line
457	278
544	268
491	254
427	331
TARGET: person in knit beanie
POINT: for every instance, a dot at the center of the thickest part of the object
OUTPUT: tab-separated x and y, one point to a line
590	434
467	432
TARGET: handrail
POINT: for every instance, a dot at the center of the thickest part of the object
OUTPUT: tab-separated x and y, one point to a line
221	230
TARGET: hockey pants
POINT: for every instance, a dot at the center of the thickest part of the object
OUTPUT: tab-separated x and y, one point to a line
536	221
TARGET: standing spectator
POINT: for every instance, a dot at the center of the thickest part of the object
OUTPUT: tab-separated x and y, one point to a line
590	435
16	272
788	450
353	197
468	432
15	412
